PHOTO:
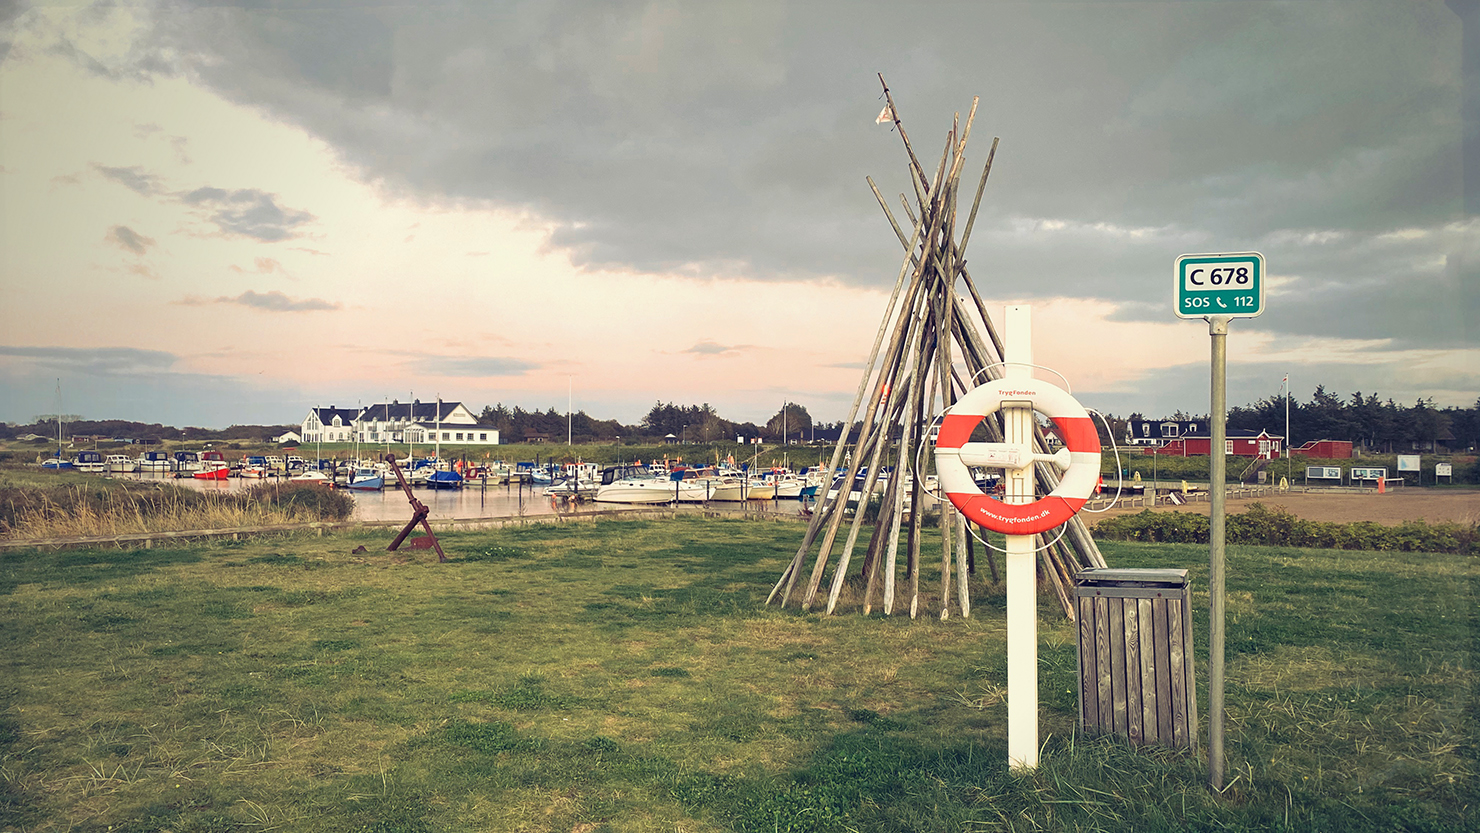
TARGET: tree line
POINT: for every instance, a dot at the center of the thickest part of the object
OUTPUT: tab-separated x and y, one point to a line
73	425
683	423
1367	420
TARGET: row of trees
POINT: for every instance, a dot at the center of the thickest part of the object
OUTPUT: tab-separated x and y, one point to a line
72	425
1364	419
685	423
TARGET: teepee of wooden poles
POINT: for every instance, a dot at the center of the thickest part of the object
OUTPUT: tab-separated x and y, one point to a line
932	346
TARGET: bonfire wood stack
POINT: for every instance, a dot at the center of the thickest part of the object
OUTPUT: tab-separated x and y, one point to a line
932	347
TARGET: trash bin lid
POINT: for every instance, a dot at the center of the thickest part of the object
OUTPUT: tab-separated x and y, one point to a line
1133	577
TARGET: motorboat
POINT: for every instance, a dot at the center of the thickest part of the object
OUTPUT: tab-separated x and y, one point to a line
634	484
729	487
574	487
220	472
366	480
57	463
310	476
186	461
758	488
120	464
154	461
89	461
444	480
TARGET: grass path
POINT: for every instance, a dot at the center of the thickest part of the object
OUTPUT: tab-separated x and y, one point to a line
623	676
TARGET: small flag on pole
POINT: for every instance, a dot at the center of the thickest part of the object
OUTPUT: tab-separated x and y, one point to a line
886	116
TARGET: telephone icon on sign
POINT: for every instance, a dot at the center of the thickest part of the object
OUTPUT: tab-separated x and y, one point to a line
1220	303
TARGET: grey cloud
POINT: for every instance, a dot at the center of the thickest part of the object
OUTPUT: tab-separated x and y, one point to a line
471	367
248	212
130	239
91	361
134	178
710	348
275	301
735	139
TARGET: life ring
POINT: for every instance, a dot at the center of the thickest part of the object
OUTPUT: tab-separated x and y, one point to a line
1075	428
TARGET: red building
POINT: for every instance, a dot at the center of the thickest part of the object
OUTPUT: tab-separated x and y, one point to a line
1237	443
1325	450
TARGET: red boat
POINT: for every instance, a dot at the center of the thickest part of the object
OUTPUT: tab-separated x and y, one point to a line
214	474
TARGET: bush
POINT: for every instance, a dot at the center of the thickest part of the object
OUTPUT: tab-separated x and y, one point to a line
304	499
1276	527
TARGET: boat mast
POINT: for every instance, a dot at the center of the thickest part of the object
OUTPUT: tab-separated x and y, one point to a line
59	423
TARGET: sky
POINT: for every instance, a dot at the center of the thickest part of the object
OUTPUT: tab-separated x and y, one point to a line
229	213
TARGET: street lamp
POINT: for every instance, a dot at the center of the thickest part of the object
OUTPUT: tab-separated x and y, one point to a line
683	435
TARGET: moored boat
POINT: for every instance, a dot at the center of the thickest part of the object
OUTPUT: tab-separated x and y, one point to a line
444	480
633	484
366	480
90	461
311	476
120	464
154	461
219	473
186	462
252	466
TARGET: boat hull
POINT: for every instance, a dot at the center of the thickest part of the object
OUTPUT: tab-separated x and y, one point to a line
636	491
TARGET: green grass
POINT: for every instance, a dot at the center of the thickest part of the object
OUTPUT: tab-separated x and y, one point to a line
624	676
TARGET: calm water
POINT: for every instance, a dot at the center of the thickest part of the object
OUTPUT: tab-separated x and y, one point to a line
473	501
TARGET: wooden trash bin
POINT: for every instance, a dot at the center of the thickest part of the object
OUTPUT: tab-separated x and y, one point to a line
1135	656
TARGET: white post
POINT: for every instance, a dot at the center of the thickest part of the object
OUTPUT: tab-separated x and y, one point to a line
1022	574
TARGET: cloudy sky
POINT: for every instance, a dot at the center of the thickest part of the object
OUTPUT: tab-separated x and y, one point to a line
228	213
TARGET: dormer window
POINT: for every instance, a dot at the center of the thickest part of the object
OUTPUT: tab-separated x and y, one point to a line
337	421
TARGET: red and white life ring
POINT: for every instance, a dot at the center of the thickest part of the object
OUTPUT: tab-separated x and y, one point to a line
1075	428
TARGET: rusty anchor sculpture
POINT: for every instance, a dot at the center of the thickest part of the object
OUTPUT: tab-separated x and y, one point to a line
419	514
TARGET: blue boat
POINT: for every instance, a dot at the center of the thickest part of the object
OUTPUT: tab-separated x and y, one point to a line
444	480
366	480
56	463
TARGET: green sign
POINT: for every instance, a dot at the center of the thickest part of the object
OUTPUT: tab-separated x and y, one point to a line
1228	285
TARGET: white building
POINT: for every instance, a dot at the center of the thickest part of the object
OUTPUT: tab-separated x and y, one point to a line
399	422
329	425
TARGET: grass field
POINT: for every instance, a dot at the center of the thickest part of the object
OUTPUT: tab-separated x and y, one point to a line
624	676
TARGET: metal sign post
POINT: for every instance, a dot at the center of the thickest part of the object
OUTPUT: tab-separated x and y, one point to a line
1217	472
1217	288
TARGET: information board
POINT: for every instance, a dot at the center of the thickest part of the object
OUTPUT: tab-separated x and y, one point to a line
1443	470
1409	462
1323	472
1369	473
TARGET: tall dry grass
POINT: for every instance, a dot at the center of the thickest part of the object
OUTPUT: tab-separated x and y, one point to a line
129	508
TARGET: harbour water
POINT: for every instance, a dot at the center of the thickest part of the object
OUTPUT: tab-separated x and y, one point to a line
475	500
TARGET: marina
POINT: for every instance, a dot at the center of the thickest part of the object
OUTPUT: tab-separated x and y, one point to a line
476	499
